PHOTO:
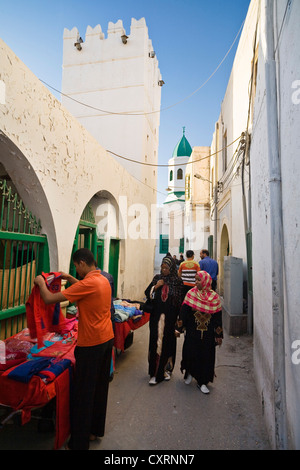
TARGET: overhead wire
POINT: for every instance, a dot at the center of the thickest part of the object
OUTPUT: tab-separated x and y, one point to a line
152	112
175	164
288	4
156	165
149	112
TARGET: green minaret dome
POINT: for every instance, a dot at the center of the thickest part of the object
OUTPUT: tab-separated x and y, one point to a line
183	148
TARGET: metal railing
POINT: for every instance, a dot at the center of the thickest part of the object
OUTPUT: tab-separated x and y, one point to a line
23	254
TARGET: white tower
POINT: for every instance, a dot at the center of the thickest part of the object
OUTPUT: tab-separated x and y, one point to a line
171	217
118	80
177	169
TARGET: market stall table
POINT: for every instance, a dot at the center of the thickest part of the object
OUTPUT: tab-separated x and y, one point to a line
122	329
31	392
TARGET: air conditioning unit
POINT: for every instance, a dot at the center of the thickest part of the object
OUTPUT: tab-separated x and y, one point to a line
233	285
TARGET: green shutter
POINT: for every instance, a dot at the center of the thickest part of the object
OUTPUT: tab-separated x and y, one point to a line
164	244
210	246
100	253
113	267
181	245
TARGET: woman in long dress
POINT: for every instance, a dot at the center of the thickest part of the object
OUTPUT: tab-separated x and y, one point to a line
201	318
165	292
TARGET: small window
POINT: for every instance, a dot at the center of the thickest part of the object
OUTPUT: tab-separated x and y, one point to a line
187	187
171	175
179	174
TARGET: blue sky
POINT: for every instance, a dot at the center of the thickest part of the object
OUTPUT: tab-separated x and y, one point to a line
190	38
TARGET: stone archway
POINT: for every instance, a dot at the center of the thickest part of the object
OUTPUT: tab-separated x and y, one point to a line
224	251
111	221
15	166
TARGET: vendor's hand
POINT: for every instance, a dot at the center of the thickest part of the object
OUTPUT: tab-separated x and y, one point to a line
39	280
68	277
219	341
177	334
64	275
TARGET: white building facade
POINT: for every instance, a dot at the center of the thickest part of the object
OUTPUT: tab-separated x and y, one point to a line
197	202
255	169
275	173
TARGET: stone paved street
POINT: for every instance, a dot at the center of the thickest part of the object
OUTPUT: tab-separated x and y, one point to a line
171	415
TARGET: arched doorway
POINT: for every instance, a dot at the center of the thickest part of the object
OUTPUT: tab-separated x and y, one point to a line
100	229
224	251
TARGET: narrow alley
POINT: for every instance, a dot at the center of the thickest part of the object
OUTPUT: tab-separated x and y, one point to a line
171	415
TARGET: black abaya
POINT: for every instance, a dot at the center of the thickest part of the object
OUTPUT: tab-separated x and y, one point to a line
198	352
162	341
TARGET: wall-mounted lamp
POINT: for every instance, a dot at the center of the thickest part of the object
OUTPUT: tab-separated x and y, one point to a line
78	44
152	54
161	82
124	39
199	177
168	189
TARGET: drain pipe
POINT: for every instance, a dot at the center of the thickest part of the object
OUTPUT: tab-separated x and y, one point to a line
276	227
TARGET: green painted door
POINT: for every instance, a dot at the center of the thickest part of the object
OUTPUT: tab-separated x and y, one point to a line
113	267
100	253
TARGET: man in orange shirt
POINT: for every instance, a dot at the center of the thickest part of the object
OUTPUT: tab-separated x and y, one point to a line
94	346
188	270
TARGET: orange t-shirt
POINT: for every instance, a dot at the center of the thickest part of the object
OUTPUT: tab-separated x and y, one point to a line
93	297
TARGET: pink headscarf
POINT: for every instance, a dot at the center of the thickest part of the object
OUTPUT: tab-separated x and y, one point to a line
204	300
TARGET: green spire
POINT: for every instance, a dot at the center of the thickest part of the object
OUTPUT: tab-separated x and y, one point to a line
183	148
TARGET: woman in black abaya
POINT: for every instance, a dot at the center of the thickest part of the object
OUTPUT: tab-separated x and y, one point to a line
165	292
201	319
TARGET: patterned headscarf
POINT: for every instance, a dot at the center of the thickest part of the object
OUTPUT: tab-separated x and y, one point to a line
173	287
204	300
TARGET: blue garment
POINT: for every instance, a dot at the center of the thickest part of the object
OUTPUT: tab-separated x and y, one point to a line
210	266
123	312
28	369
25	371
54	368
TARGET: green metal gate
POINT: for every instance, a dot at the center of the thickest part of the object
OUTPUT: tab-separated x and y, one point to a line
113	267
24	253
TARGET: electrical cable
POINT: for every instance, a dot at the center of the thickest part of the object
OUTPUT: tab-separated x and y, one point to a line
282	23
175	164
157	191
150	112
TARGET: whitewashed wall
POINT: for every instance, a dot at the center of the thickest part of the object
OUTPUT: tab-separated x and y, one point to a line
233	121
57	167
120	79
288	83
